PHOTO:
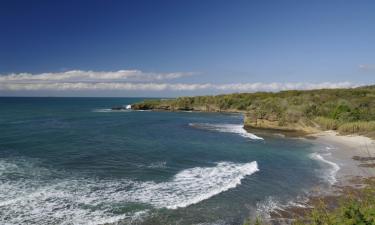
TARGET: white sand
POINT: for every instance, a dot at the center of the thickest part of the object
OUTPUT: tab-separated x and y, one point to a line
359	145
340	149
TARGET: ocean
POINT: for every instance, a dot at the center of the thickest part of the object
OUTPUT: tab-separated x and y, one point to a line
74	161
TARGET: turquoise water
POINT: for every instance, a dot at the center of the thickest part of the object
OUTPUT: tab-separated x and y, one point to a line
73	161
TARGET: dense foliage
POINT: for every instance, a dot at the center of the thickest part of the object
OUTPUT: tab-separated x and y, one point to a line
345	110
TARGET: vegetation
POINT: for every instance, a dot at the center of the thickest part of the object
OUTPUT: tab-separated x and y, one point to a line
357	208
344	110
353	210
357	127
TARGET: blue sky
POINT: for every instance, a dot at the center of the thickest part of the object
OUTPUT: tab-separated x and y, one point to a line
173	48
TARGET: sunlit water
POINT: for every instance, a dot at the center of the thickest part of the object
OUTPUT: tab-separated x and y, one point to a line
74	161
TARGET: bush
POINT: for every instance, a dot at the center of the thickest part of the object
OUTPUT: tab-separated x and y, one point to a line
327	123
357	127
330	108
353	210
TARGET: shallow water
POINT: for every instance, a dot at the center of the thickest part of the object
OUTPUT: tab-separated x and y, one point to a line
74	161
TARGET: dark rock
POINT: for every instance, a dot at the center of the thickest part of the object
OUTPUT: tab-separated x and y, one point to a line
362	159
121	107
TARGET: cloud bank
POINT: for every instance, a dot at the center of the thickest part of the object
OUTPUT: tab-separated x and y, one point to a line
136	80
92	76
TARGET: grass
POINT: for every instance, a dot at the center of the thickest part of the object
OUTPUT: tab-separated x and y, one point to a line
357	127
327	123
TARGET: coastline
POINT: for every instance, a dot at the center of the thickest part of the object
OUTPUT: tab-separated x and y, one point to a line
350	153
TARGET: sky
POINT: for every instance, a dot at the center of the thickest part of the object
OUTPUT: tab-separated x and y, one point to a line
174	48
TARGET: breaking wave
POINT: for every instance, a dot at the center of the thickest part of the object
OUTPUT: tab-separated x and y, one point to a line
102	110
334	168
110	110
227	128
31	194
275	205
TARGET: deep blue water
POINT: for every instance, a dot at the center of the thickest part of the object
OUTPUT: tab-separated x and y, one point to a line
72	161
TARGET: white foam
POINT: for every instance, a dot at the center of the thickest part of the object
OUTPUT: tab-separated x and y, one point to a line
330	147
156	165
273	204
334	168
227	128
268	206
193	185
102	110
127	109
90	201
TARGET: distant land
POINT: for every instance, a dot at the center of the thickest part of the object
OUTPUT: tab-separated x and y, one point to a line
348	111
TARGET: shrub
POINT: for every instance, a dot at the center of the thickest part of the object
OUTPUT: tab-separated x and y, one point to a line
327	123
357	127
331	108
353	210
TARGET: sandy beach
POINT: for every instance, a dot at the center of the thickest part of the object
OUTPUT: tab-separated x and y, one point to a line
346	155
352	153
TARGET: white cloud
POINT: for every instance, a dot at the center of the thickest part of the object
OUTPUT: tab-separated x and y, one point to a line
136	80
235	87
282	86
93	76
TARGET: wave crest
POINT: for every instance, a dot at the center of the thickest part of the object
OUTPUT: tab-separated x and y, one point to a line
226	128
91	201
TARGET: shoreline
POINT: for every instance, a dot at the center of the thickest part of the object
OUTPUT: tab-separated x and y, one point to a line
352	158
345	151
350	153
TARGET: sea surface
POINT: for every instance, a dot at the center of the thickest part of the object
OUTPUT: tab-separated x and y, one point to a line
74	161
